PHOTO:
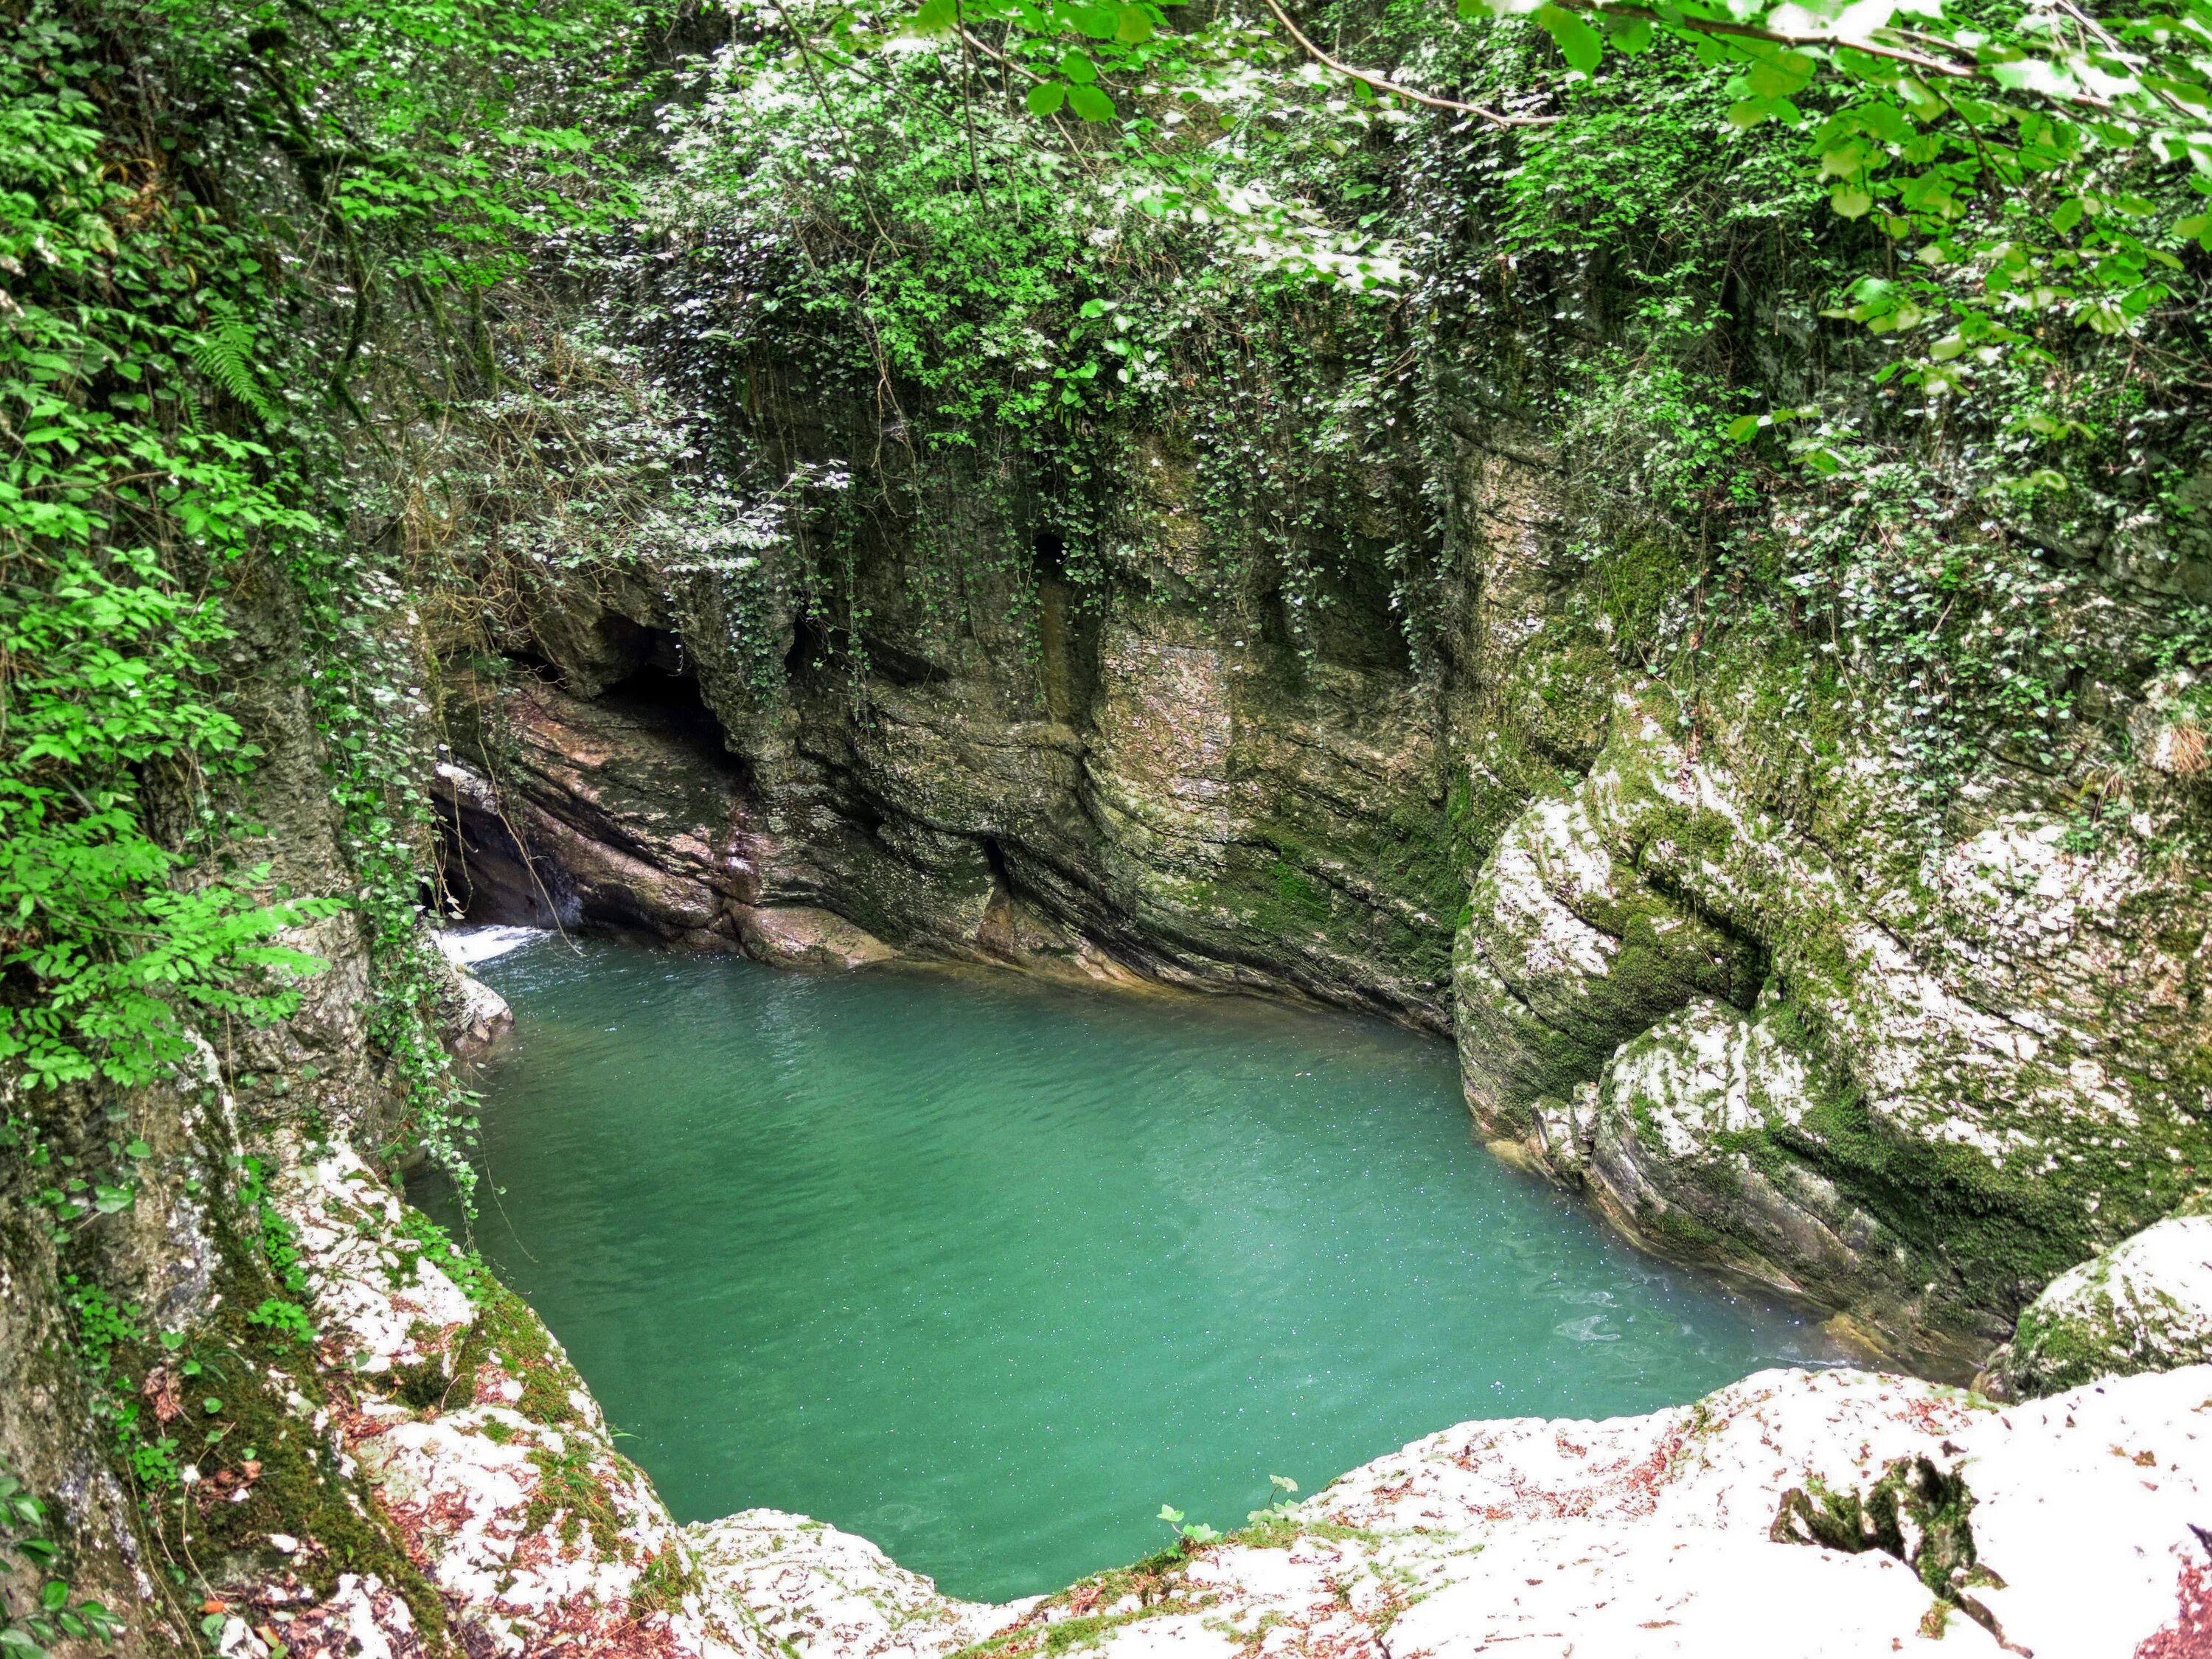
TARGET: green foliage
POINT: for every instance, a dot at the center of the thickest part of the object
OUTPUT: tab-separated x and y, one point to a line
2004	150
107	1333
1191	1534
201	311
54	1617
466	1268
1285	1503
282	1314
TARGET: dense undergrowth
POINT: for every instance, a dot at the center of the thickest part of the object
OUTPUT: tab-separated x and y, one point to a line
869	308
244	252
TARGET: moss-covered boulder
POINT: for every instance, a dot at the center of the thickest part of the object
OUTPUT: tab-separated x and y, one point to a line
1567	952
1693	1139
2143	1305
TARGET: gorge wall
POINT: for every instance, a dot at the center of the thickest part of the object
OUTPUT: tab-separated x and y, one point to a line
737	535
1719	962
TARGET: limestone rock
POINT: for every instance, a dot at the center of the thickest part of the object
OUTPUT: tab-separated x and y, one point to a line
1795	1513
823	1594
623	811
2063	1528
2168	729
1693	1138
1981	1040
485	1017
1160	791
503	1484
1567	952
474	1016
816	941
2143	1305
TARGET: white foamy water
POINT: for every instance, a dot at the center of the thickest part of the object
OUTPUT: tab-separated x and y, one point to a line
469	945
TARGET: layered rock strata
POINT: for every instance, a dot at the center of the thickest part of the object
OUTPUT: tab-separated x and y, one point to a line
1731	973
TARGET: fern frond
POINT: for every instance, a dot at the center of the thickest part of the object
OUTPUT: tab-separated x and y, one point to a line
225	355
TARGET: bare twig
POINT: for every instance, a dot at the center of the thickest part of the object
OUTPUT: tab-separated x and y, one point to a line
1368	78
968	103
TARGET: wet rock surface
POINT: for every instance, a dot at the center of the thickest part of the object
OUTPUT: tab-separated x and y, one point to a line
1770	1011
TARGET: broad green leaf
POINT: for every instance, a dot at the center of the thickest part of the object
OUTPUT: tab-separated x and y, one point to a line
1851	201
1632	35
935	17
1845	162
1134	27
1780	75
1046	97
1582	45
1079	69
1743	427
1091	103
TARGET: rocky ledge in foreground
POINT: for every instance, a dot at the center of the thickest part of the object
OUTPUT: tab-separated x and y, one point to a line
1795	1513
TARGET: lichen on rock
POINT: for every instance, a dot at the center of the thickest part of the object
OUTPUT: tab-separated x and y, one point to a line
1904	1104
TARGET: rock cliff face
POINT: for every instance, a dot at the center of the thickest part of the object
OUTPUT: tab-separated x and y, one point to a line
1721	964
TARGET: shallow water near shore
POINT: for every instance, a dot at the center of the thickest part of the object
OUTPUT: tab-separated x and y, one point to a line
988	1270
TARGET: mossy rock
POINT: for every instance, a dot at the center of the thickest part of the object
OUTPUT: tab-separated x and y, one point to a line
2143	1305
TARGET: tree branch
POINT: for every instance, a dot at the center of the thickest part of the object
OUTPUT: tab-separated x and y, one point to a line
1380	84
1000	56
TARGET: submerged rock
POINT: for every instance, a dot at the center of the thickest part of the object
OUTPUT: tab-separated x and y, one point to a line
2143	1305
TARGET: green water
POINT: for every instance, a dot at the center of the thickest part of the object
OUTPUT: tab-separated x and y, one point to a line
988	1270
